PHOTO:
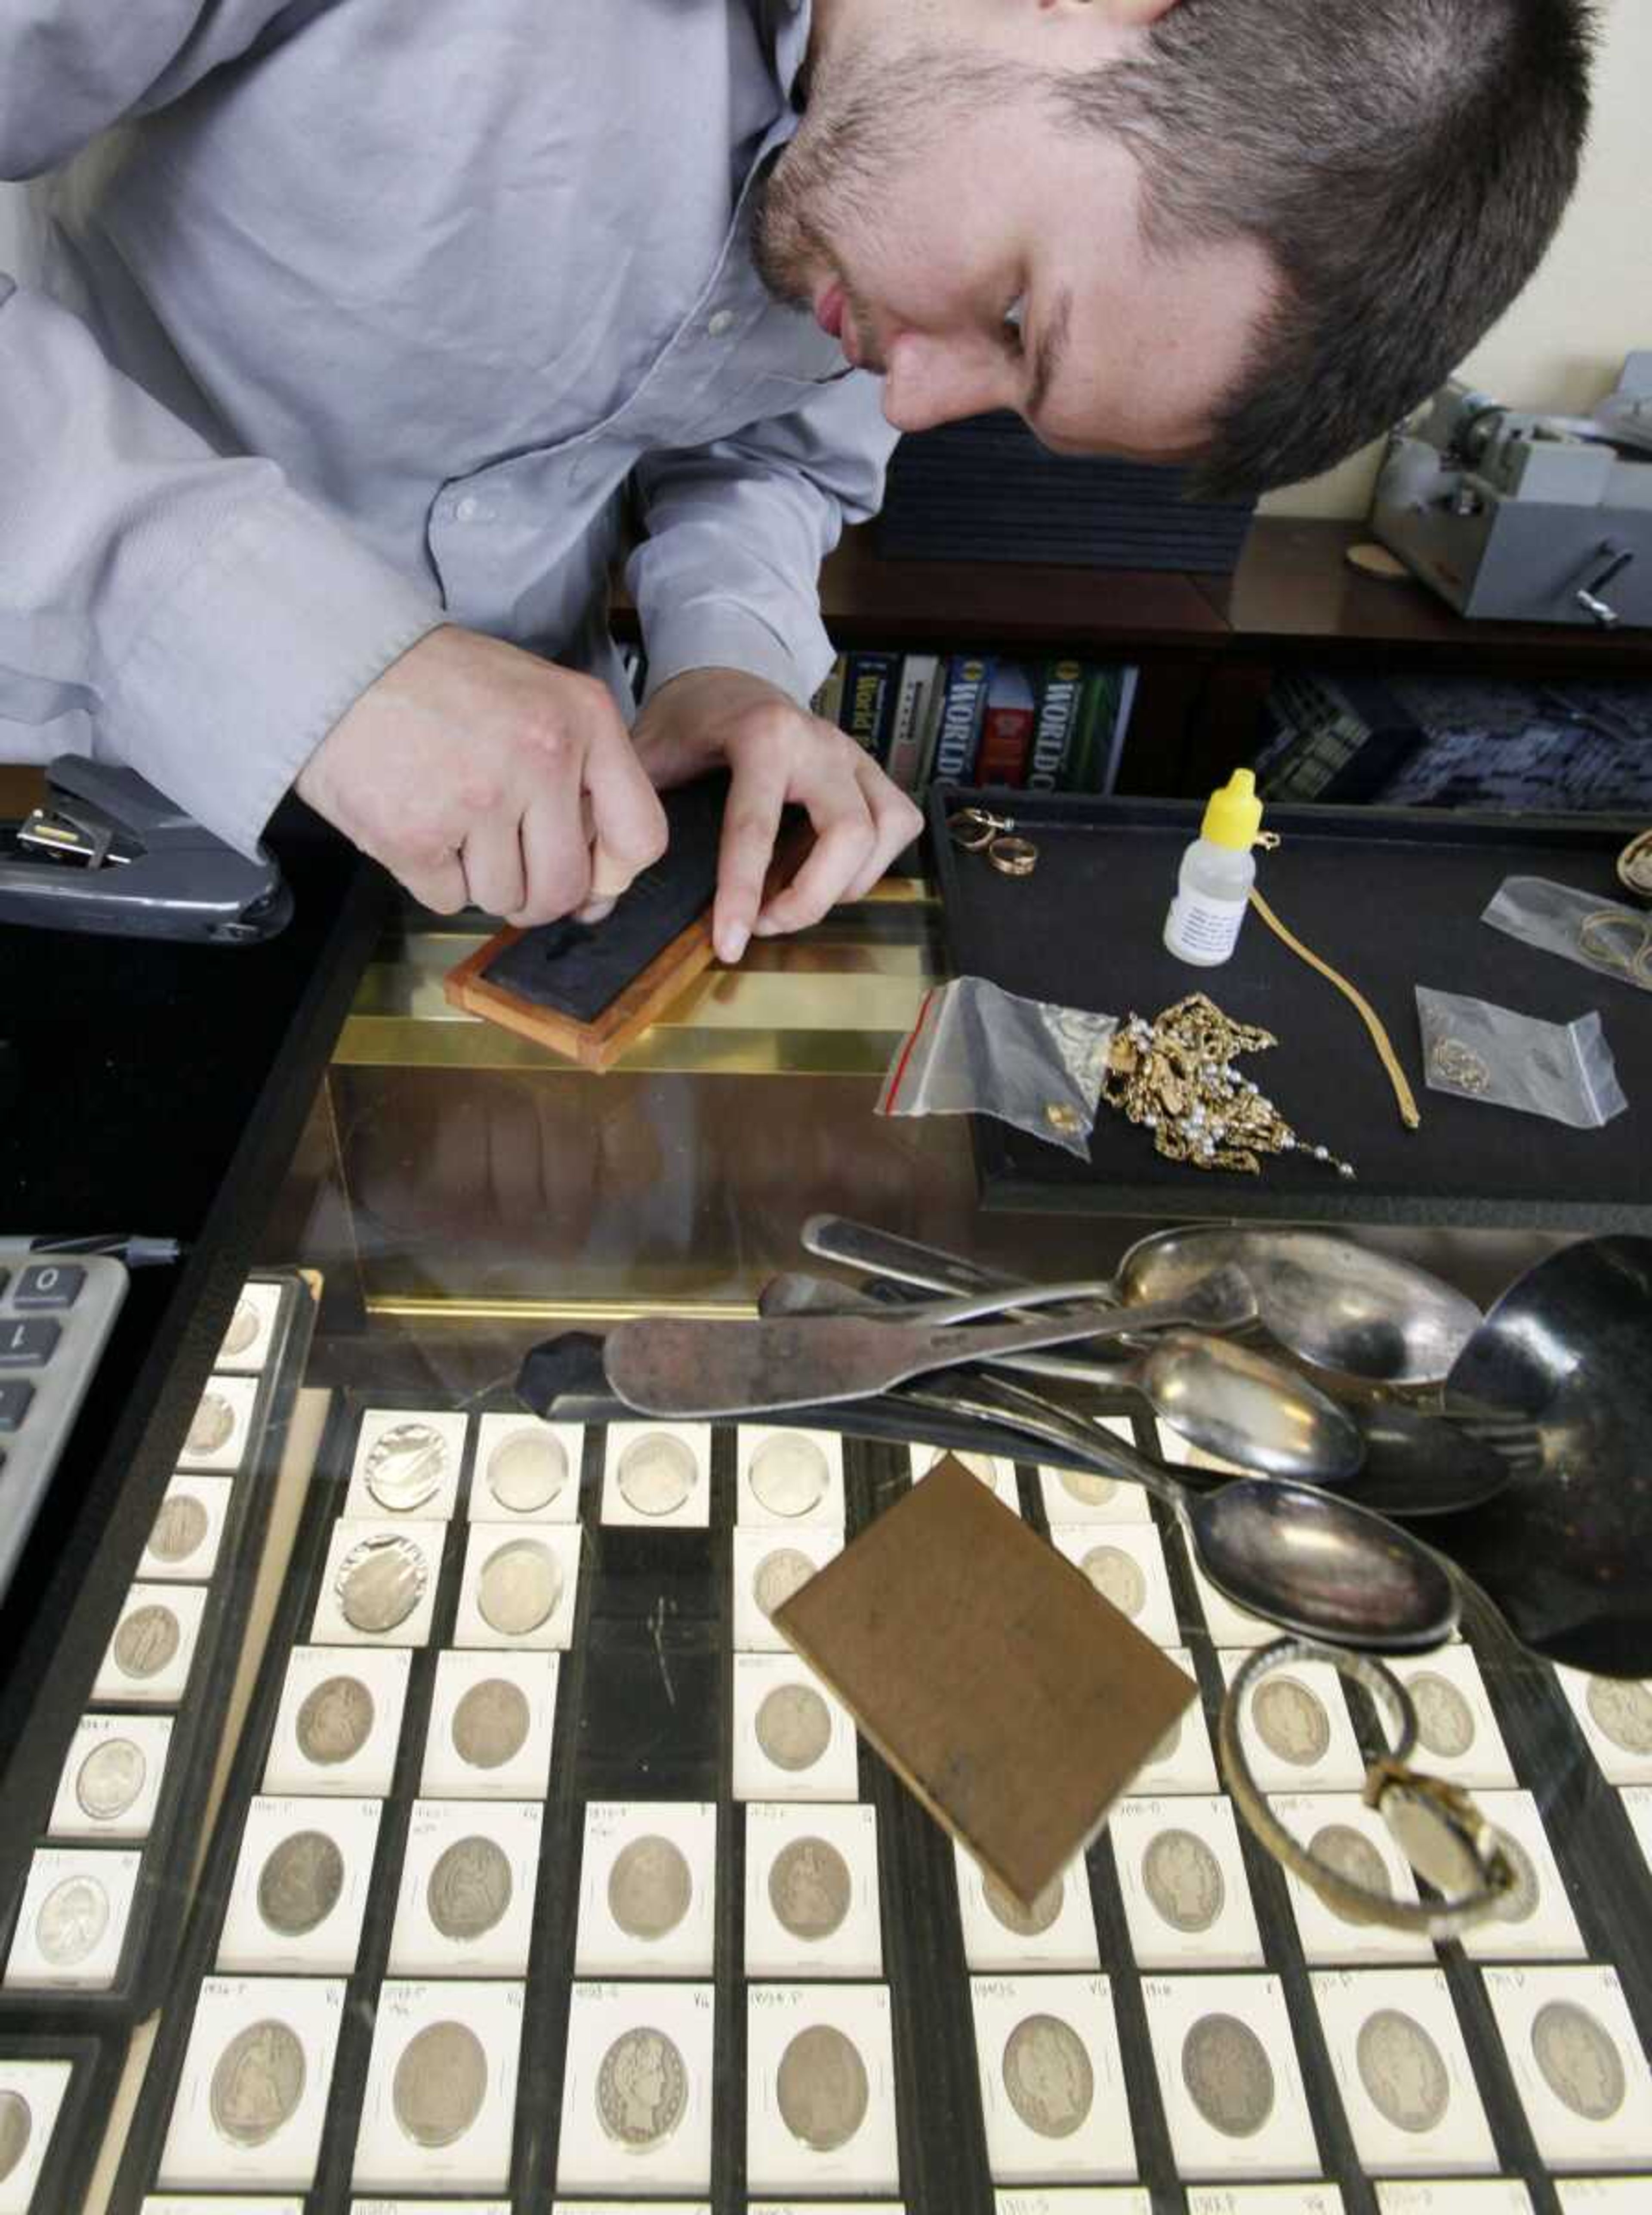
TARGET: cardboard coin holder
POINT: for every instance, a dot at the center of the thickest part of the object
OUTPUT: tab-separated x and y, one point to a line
1265	2200
1125	1564
647	1889
116	1797
224	1415
273	1927
72	1925
434	2113
1228	2076
656	2207
621	1491
503	1491
1073	1495
1638	1806
1457	1737
819	1864
555	1565
201	1524
1546	1932
991	1469
1408	2090
755	1629
819	2207
1330	1940
1230	1627
332	1627
1578	2065
256	1308
1616	1720
41	2085
235	2203
353	1768
465	1905
636	2092
1186	1896
1001	1938
1600	2195
1075	2200
493	1716
147	1661
787	1479
833	1773
1310	1723
1053	2090
379	1427
1476	2195
1184	1454
820	2090
241	2119
1183	1759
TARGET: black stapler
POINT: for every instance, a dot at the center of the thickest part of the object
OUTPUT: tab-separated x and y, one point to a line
109	853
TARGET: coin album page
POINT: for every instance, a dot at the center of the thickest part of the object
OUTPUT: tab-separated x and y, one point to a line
440	2106
112	1779
221	1428
1404	2071
188	1529
301	1889
492	1726
1295	1728
811	1903
793	1738
71	1926
768	1566
1578	2064
470	1873
379	1584
1457	1737
1615	1720
1187	1898
1125	1564
1228	2074
407	1462
31	2096
1339	1830
657	1476
647	1889
820	2090
636	2090
1052	2079
153	1648
1076	1495
1464	2195
991	1469
525	1471
786	1479
252	2098
518	1588
1538	1924
338	1723
1002	1936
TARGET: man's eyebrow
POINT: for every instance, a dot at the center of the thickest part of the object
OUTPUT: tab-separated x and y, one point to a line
1052	349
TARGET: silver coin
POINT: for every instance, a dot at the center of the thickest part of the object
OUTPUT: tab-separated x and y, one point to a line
1580	2060
1079	1484
469	1888
1352	1855
440	2084
526	1470
405	1467
110	1779
794	1727
778	1575
243	1327
179	1527
212	1424
1520	1905
1183	1879
1116	1577
1025	1922
73	1916
380	1582
820	2087
1165	1749
1229	2078
16	2122
147	1641
519	1587
649	1887
1445	1719
789	1473
656	1474
642	2089
491	1723
258	2083
1403	2071
334	1722
810	1888
300	1883
1291	1720
1048	2075
1623	1710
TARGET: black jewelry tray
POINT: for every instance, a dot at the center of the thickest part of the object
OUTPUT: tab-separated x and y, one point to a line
1391	898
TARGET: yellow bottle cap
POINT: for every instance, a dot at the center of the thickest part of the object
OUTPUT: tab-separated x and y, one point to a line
1234	816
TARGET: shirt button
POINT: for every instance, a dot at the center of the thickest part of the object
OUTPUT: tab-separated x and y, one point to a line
721	322
468	509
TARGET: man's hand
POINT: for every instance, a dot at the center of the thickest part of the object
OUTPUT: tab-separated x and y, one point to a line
776	753
479	774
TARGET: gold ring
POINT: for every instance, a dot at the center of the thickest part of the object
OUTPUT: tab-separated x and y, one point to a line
1606	956
1635	866
974	829
1013	857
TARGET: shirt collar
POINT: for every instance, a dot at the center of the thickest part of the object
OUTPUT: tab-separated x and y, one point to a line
789	21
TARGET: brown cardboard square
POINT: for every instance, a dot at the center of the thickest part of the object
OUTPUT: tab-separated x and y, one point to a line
996	1681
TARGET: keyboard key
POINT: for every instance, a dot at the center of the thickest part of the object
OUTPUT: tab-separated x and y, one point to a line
27	1345
15	1397
49	1284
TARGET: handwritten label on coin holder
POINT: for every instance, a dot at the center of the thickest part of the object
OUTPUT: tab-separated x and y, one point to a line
1479	2195
1303	1739
1402	2069
1615	1716
1227	2072
659	2207
1457	1737
820	2090
1075	1496
627	1479
811	1912
237	2082
221	1426
190	1526
324	1740
647	1889
237	2203
1076	2199
375	1463
1602	2195
1265	2200
991	1469
784	1549
1547	1931
1002	1938
1330	1940
797	2207
275	1920
73	1922
637	2093
1638	1806
1186	1897
526	1470
441	2087
832	1774
1053	2091
492	1720
251	1328
332	1627
147	1660
499	1577
1125	1564
41	2085
1577	2063
1182	1761
129	1754
788	1479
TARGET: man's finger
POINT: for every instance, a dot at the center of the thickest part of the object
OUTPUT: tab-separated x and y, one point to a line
437	885
896	822
628	824
556	860
751	821
844	842
494	867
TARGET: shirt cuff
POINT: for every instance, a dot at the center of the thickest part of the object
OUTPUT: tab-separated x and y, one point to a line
715	634
234	680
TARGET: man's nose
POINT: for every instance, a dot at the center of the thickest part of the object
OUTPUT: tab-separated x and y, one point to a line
932	380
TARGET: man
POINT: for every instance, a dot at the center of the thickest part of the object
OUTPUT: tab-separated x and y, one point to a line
351	323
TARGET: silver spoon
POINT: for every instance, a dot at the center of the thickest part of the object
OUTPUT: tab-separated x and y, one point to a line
1222	1397
1329	1302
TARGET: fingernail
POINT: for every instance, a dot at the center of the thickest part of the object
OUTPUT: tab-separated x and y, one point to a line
594	910
733	944
762	928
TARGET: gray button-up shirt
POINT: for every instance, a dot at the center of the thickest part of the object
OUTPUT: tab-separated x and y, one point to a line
343	319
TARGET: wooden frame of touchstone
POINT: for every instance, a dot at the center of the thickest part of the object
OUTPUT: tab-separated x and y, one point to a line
1403	2069
1012	1700
476	2158
199	2156
248	1945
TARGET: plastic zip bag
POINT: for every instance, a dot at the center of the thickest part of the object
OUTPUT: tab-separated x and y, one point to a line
1602	935
978	1050
1479	1051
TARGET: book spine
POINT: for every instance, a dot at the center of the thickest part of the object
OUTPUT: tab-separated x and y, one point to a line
827	703
906	720
867	710
1055	724
961	715
934	702
1006	727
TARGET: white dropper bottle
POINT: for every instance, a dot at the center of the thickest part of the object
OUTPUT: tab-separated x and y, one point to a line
1217	870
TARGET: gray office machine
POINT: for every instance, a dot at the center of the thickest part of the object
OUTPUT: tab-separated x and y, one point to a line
1525	517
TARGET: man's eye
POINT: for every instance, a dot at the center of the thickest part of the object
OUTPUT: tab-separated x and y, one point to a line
1015	316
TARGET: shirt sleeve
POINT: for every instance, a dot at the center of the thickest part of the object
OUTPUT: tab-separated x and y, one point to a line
208	623
728	576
